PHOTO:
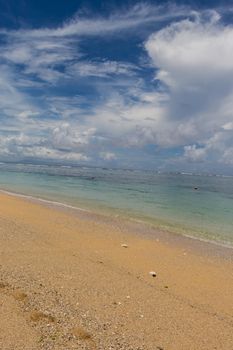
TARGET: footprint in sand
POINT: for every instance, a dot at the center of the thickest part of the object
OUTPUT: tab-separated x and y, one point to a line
18	295
2	285
37	316
81	334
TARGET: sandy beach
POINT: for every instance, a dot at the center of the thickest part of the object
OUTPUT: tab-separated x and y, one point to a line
70	281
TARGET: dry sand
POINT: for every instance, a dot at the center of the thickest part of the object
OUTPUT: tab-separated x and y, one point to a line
67	283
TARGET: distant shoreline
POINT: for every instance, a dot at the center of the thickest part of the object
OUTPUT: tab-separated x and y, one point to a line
68	166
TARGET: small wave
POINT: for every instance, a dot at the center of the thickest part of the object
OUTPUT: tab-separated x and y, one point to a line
38	199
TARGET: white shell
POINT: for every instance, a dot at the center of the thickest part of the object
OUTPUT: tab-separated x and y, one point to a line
153	273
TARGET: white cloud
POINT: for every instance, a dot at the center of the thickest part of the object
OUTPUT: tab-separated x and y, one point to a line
191	107
108	156
130	18
22	146
102	69
39	57
194	61
42	50
44	153
228	126
53	55
227	157
13	102
27	113
70	138
194	154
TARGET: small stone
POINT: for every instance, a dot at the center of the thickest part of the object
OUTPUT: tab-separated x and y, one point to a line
124	245
153	273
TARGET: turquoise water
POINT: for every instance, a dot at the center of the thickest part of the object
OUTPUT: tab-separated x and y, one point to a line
167	201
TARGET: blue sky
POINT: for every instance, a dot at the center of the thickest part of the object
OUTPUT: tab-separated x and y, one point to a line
109	83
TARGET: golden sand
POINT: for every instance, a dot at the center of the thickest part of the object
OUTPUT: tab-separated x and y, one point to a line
68	282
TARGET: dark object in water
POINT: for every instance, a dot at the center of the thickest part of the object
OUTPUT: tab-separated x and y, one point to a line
91	178
195	188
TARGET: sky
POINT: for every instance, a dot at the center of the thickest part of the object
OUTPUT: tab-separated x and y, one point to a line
122	84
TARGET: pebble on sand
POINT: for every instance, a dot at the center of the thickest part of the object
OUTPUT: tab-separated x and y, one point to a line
153	273
124	245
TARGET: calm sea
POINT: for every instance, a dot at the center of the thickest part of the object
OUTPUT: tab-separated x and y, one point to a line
194	205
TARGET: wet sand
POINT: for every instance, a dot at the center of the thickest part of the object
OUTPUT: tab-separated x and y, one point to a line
66	282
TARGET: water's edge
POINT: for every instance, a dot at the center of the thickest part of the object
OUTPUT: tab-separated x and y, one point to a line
133	225
196	206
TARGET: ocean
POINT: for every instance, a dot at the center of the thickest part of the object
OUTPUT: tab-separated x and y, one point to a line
200	206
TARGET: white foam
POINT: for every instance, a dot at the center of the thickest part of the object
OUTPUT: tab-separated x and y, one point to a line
38	199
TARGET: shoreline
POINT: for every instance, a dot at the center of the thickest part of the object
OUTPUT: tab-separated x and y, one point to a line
71	281
137	226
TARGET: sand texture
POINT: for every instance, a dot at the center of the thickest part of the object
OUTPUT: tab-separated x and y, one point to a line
68	282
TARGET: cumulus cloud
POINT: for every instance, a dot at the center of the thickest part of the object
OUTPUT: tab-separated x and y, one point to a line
194	62
20	147
71	107
45	153
66	137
